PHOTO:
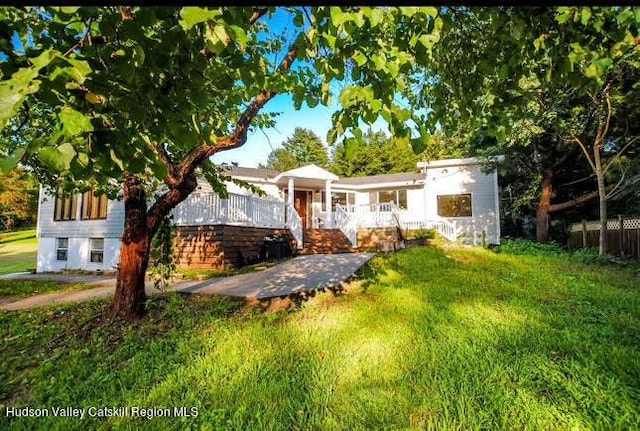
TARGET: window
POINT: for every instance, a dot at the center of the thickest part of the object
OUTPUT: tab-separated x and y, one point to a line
65	207
342	198
96	250
62	247
94	207
399	197
454	205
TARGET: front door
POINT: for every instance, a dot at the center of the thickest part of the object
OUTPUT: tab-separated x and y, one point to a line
300	204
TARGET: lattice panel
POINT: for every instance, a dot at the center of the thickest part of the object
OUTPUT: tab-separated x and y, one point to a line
611	225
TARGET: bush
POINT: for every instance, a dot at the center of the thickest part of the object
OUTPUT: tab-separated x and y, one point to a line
528	247
422	234
587	256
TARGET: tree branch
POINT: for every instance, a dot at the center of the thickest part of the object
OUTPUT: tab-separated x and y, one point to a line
257	14
584	150
165	203
165	158
618	184
619	153
239	136
577	201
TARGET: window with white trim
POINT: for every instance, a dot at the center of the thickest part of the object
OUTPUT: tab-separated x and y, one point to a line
62	248
96	250
342	198
399	197
455	205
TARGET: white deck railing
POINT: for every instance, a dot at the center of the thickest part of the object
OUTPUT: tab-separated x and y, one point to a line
372	215
242	210
346	222
443	227
389	215
294	224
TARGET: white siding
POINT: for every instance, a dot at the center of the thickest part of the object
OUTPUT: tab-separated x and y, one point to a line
77	255
483	188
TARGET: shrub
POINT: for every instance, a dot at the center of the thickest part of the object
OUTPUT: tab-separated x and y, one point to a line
528	247
422	234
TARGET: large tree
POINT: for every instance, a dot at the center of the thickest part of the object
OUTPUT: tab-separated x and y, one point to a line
138	98
18	198
303	148
518	74
374	154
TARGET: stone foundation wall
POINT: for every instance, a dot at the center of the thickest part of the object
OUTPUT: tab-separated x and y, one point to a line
220	246
377	238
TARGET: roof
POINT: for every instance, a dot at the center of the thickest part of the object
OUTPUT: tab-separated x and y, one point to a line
309	171
239	171
457	162
382	179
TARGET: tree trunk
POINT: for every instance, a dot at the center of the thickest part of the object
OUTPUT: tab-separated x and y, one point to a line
542	215
602	194
140	226
134	254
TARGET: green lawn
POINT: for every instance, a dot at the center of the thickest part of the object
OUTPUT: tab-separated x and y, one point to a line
18	251
432	339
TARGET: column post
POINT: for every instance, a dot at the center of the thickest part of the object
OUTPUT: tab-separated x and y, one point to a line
327	197
290	191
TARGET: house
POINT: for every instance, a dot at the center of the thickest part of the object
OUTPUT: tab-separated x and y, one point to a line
315	209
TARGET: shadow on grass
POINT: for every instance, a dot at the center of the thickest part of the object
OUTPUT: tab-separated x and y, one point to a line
438	339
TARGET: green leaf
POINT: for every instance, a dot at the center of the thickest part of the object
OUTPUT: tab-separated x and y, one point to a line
348	96
240	37
74	122
360	59
564	14
431	11
217	38
22	83
358	18
83	159
138	56
68	153
338	17
195	15
393	68
69	10
52	158
408	11
116	159
79	70
7	163
598	68
585	15
376	17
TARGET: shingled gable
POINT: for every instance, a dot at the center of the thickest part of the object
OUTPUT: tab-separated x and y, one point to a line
309	171
239	171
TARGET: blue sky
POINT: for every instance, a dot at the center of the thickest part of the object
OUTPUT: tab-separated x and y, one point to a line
260	143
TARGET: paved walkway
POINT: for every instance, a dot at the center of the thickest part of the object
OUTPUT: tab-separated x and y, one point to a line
302	273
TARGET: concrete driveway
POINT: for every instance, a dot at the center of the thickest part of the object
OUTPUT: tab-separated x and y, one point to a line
302	273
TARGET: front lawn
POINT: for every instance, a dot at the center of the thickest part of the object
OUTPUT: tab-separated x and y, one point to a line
433	338
18	251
